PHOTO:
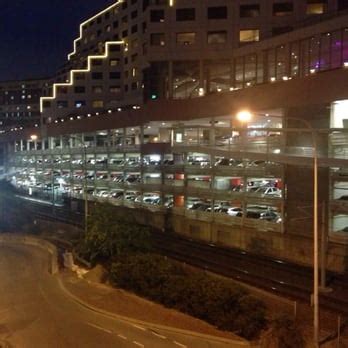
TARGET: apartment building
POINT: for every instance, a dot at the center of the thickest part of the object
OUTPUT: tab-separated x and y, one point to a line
172	150
136	51
20	103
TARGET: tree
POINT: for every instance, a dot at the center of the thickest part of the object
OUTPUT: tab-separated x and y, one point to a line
110	234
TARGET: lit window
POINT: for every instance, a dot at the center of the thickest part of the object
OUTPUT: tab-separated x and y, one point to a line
249	35
185	38
115	89
315	7
114	62
97	89
80	103
97	104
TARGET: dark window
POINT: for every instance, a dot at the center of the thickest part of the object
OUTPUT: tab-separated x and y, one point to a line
281	30
115	75
97	75
99	19
115	24
134	14
217	12
157	16
185	14
97	62
124	33
134	86
283	8
157	39
79	76
62	104
114	48
107	15
342	5
80	89
217	37
134	29
249	11
124	19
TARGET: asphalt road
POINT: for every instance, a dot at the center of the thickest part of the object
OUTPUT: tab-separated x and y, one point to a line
35	312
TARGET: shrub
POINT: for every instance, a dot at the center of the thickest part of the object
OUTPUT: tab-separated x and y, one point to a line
217	301
283	332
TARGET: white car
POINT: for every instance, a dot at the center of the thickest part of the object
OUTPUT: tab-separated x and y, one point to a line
235	211
269	191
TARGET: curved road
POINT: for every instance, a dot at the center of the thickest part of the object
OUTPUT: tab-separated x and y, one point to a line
35	312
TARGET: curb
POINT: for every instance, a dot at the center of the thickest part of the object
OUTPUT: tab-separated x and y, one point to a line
242	343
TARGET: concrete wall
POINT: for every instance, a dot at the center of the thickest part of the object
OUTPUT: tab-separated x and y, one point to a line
33	241
292	247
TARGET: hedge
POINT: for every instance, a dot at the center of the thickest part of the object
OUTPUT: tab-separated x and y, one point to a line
217	301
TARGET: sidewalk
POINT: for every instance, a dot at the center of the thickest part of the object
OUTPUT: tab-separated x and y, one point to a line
126	304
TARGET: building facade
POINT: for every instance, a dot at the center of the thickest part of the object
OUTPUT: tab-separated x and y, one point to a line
20	103
172	149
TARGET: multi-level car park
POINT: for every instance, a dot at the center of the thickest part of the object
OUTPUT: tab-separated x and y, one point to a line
161	166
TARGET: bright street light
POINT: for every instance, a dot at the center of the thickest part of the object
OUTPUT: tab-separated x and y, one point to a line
244	116
33	137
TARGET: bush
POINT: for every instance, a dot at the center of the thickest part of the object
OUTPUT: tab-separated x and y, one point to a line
110	235
214	300
284	332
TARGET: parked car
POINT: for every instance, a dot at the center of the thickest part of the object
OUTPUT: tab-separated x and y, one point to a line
269	191
235	211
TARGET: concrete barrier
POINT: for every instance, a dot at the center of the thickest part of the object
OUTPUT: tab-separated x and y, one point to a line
6	238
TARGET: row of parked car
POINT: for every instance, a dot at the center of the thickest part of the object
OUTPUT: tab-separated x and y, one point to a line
252	212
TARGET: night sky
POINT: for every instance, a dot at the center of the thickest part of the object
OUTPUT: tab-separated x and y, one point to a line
36	35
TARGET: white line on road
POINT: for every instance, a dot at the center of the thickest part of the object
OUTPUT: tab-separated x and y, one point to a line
139	327
179	344
138	344
158	335
123	337
99	328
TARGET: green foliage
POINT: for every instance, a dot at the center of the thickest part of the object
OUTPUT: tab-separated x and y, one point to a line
110	234
284	332
214	300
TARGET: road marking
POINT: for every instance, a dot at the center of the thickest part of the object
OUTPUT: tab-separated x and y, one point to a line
100	328
123	337
139	327
179	344
138	344
158	335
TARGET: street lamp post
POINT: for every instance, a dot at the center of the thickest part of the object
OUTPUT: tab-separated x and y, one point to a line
84	169
245	116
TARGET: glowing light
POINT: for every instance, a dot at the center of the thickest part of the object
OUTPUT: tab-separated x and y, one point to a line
86	22
76	71
345	64
312	71
33	137
272	79
244	116
285	78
